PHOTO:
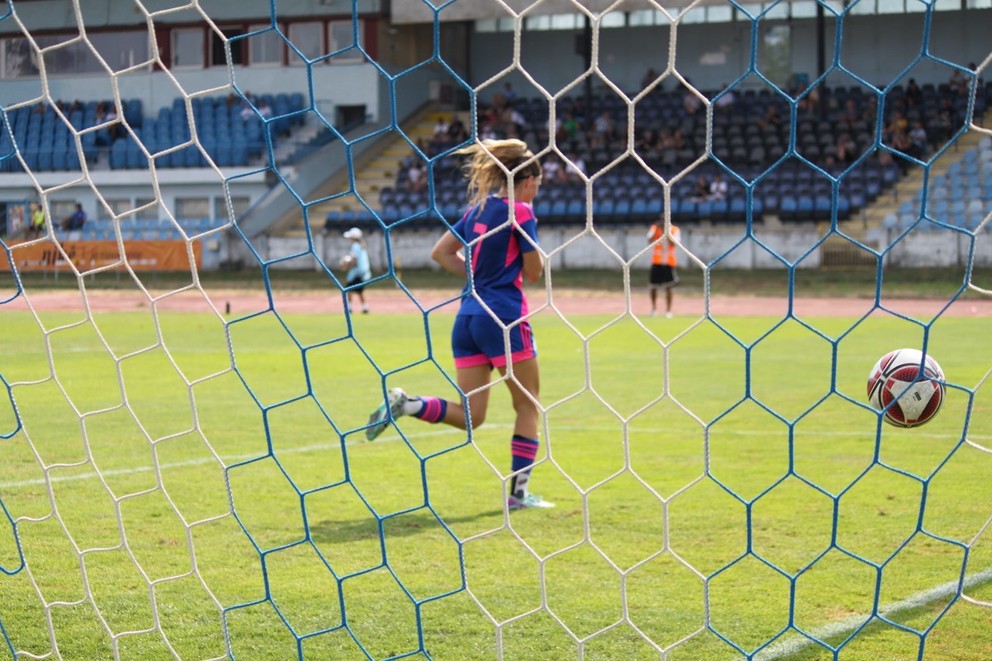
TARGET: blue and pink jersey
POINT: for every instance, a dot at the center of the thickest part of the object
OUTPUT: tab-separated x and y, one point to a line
497	260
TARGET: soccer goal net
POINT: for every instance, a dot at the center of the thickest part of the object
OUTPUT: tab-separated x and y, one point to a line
183	464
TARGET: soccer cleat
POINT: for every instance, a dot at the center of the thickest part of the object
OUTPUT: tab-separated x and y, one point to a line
668	315
530	501
391	409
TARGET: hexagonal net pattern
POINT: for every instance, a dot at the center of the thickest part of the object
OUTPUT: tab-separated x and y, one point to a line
180	480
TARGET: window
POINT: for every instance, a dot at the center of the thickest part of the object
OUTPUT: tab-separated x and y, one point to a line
147	208
62	208
719	14
615	19
776	53
642	17
308	40
807	9
218	56
121	50
19	59
340	36
264	47
573	21
192	207
539	22
891	6
239	203
862	7
118	207
486	25
187	47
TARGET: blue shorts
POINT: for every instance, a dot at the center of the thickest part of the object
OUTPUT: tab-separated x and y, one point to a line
479	340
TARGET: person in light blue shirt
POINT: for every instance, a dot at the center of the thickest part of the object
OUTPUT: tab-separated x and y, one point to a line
359	269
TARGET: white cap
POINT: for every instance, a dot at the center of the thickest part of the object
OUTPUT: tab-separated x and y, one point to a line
353	233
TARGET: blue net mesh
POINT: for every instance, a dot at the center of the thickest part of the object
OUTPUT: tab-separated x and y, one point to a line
725	487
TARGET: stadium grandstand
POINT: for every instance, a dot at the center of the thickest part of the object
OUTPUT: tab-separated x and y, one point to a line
261	135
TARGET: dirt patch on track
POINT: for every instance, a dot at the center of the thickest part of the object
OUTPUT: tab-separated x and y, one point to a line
566	301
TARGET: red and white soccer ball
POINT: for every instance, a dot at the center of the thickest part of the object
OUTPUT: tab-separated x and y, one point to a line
896	378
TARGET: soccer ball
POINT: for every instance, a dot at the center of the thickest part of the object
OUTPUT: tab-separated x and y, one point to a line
915	398
346	262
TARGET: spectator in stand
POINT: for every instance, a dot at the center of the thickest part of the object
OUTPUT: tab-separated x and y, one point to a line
440	142
649	77
567	129
899	140
845	149
509	93
718	187
648	145
701	191
945	121
914	95
552	171
727	99
76	220
441	127
416	178
958	83
457	133
771	118
513	121
36	221
808	99
576	170
850	112
690	102
920	142
897	123
248	109
488	131
869	110
104	115
603	130
264	109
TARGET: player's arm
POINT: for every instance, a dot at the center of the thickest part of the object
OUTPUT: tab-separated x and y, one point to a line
533	260
448	253
533	265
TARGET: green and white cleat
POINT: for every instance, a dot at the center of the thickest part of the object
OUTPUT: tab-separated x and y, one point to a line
530	501
391	409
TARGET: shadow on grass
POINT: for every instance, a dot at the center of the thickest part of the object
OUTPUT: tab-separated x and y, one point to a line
421	522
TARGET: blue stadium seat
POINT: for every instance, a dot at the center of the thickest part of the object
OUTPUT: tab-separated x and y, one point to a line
603	210
788	207
822	207
621	211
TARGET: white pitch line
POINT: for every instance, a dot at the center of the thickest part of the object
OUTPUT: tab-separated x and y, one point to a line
797	643
385	439
211	460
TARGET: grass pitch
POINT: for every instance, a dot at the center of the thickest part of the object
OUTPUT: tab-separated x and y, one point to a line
185	487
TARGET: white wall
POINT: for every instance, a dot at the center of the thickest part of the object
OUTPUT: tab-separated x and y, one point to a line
722	246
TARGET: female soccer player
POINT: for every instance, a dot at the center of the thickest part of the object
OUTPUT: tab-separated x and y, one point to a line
499	262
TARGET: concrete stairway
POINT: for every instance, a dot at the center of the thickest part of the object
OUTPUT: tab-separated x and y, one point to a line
380	170
838	252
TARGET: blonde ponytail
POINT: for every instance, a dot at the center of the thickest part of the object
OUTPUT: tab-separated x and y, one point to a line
484	173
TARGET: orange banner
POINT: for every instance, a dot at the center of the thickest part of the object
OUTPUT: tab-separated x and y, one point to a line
89	255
